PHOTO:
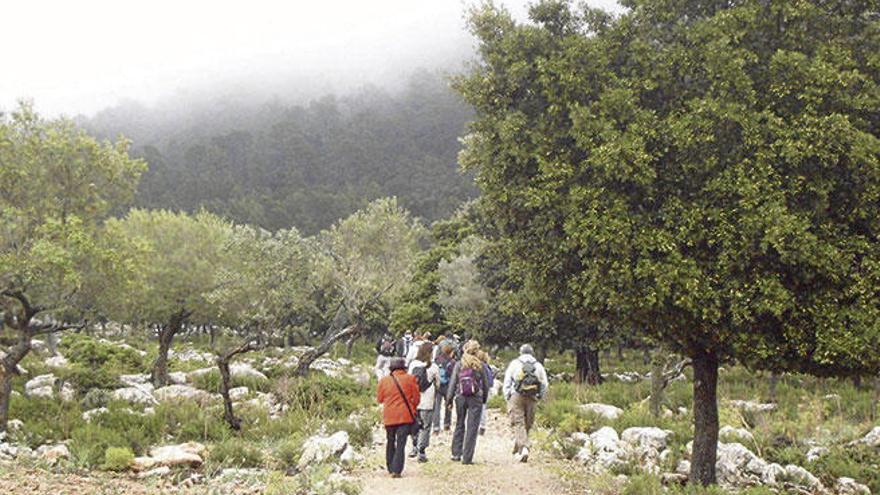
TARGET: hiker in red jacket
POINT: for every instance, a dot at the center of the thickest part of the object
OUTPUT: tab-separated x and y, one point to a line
399	393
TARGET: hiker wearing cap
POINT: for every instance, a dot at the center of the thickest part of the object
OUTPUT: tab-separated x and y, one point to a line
525	383
399	393
470	388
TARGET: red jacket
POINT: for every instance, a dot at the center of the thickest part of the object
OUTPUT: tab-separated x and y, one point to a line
395	412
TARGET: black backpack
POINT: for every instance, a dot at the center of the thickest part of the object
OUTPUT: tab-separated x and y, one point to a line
421	374
527	382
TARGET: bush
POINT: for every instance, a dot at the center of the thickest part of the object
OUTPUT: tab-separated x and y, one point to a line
117	459
89	443
45	420
235	452
95	398
210	382
322	396
91	353
644	484
360	432
858	462
288	452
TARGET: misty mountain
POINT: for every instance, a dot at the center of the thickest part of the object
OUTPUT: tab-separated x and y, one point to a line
279	163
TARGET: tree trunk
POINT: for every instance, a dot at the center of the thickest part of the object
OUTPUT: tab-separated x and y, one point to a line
159	376
658	369
212	332
587	365
309	357
5	394
705	418
8	369
620	352
857	381
225	381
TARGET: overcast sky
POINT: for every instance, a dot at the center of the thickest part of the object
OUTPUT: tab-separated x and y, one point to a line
79	56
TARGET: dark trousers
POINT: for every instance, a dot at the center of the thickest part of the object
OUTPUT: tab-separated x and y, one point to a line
395	446
441	404
468	411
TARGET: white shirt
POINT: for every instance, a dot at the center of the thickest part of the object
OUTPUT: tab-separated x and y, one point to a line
513	371
427	398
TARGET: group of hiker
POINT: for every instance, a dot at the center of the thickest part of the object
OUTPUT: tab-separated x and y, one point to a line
422	380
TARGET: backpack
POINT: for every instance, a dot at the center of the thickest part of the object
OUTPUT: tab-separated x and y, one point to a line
387	348
421	374
527	382
445	371
469	382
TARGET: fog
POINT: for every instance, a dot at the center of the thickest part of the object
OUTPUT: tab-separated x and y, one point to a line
80	57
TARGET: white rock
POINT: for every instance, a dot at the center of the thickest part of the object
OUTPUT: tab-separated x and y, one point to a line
177	377
175	455
135	395
683	467
238	393
36	387
57	361
244	370
737	465
603	410
606	449
350	457
729	433
38	345
802	477
580	438
191	355
871	439
773	474
13	425
91	413
849	486
52	453
327	366
815	453
318	449
67	392
752	406
142	463
181	392
154	473
142	379
646	437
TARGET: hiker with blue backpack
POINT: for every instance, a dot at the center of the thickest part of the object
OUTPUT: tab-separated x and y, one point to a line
470	389
445	361
428	377
525	383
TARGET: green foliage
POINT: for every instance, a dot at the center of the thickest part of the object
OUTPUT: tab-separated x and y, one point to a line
278	165
117	459
89	442
858	462
235	452
211	382
320	396
644	484
95	364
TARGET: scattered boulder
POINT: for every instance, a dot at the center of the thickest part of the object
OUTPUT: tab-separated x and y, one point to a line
328	366
871	439
181	392
603	410
57	361
142	380
175	455
238	393
849	486
14	425
52	453
187	355
729	433
802	478
815	453
41	386
350	457
135	395
603	449
752	406
736	465
142	463
318	449
177	377
92	413
646	437
773	474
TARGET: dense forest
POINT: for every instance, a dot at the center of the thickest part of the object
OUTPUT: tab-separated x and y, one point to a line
279	164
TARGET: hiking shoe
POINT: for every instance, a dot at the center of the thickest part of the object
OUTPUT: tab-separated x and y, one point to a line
524	455
456	458
482	431
395	475
423	458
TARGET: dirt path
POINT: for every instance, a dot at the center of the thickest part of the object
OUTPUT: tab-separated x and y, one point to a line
494	471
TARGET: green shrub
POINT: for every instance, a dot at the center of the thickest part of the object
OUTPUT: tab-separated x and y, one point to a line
235	452
288	452
210	382
322	396
644	484
360	433
95	398
91	353
45	420
89	443
117	459
858	462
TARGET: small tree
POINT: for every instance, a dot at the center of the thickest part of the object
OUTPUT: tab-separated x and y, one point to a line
57	185
176	258
364	261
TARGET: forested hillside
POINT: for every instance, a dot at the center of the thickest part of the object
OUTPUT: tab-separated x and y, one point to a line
278	164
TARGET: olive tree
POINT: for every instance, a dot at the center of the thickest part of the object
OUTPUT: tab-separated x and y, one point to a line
176	259
58	183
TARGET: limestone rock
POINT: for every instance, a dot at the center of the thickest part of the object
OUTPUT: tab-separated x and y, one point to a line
52	453
238	393
603	410
175	455
815	453
155	473
57	361
318	449
729	433
92	413
181	392
135	395
752	406
871	439
646	437
849	486
141	379
177	377
736	465
773	474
